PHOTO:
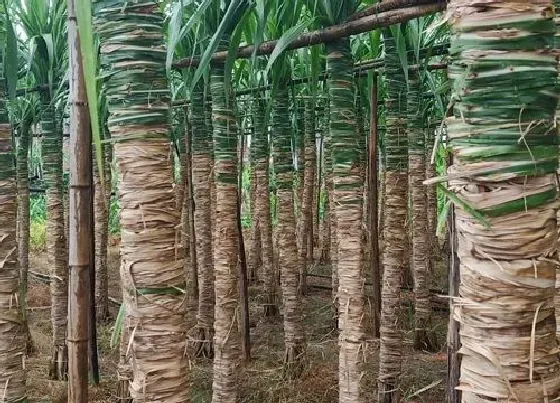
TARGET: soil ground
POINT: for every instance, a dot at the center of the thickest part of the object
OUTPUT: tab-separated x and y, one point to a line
262	382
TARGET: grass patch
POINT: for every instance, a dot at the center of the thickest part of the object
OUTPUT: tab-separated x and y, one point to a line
38	235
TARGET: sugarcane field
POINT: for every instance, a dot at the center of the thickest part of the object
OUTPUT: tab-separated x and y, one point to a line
279	201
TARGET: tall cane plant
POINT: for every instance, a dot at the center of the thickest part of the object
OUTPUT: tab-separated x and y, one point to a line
44	23
190	29
503	182
223	19
283	22
395	237
133	60
12	330
347	196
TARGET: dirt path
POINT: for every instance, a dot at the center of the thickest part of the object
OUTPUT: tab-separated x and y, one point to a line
263	381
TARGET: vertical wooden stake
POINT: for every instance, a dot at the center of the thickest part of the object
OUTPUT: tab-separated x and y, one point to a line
242	272
80	220
92	350
373	247
453	339
189	194
319	188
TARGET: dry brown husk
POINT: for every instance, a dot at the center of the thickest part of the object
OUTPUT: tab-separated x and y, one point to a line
202	182
155	322
294	359
227	344
393	260
506	228
262	211
12	332
420	254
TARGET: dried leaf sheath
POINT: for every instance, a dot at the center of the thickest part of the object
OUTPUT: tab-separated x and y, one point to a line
12	332
506	155
132	51
420	240
308	186
294	335
187	237
23	215
394	234
333	248
348	209
56	239
557	117
261	151
202	163
227	344
330	238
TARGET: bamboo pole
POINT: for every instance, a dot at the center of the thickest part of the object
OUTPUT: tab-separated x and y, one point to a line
80	220
373	247
453	339
329	34
318	184
389	5
92	343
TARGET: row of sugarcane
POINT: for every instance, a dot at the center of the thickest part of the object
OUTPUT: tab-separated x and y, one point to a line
502	182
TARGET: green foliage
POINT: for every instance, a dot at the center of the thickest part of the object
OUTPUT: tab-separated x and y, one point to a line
117	329
230	14
37	208
114	222
90	64
10	60
38	235
323	202
176	31
285	40
333	11
38	217
274	208
45	24
247	214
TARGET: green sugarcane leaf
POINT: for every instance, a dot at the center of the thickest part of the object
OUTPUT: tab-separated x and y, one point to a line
232	50
374	44
432	85
175	23
30	55
227	25
400	41
522	204
89	62
316	59
442	218
49	45
118	328
285	40
173	30
465	206
11	57
261	11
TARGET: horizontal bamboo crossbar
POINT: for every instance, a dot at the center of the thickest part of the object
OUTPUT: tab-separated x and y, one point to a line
330	34
386	6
